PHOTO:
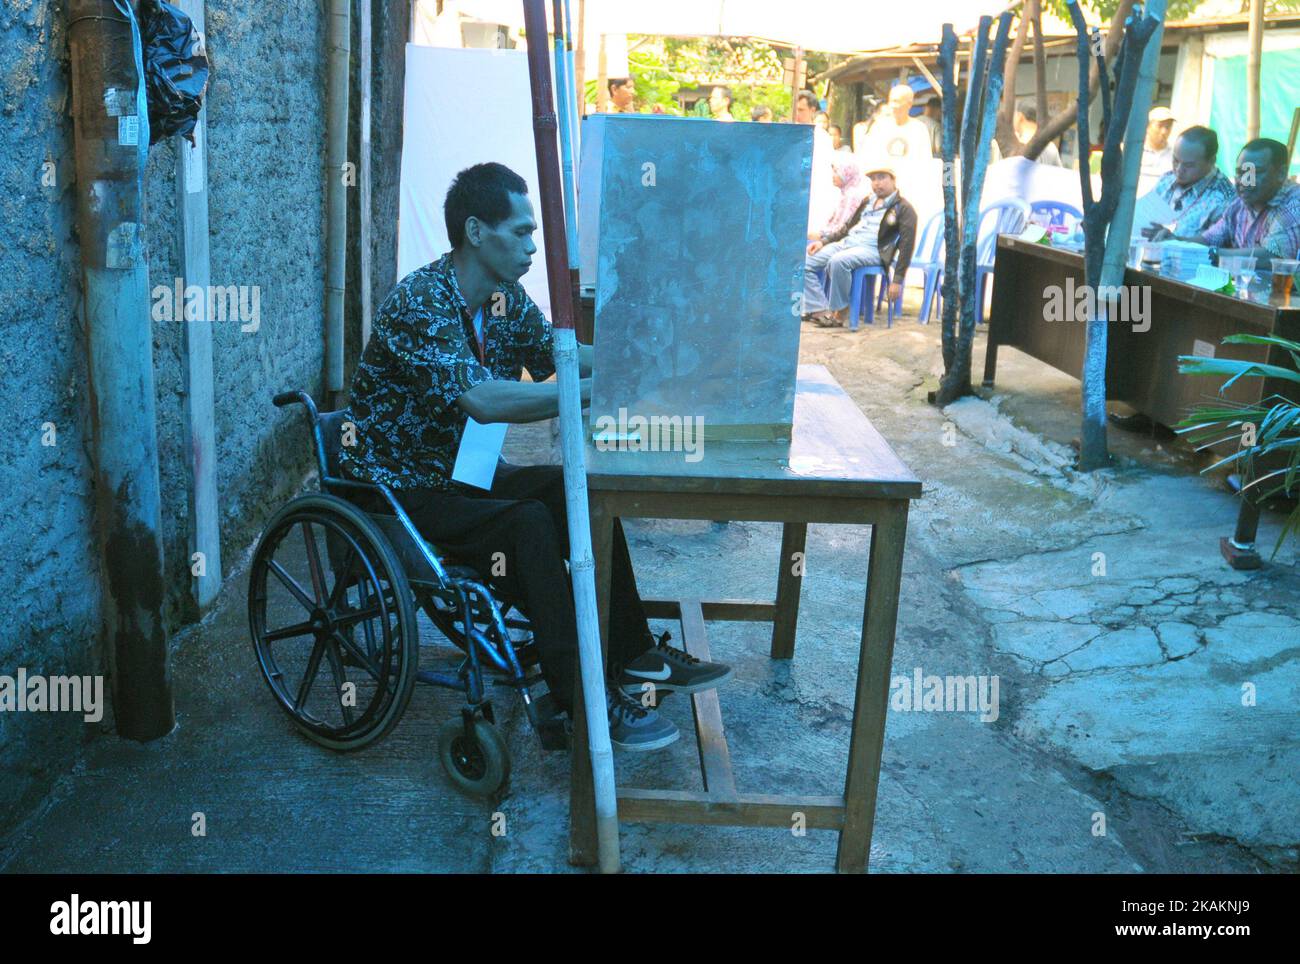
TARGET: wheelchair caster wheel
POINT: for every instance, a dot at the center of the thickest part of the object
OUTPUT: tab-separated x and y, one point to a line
479	766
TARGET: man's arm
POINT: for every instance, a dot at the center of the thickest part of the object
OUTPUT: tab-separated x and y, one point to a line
502	400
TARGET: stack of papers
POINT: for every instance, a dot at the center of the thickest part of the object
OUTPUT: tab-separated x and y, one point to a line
1183	259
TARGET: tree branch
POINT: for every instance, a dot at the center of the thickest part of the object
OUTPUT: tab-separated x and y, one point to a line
1058	125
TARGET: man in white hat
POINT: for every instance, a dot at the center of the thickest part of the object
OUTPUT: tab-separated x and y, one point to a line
1157	152
883	226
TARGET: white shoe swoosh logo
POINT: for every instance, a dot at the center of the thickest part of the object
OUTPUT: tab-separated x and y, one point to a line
663	673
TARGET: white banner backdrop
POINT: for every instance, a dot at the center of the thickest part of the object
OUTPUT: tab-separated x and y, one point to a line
463	107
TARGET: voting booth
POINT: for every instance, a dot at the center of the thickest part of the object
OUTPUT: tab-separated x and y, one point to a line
698	253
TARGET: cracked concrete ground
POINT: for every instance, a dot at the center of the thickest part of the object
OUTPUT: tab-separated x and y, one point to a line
1146	704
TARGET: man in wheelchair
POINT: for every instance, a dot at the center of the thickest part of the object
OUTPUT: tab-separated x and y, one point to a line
448	344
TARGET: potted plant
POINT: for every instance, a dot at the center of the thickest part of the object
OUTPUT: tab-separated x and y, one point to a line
1266	434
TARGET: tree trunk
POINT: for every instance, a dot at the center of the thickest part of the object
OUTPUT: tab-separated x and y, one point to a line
1034	11
951	224
1050	129
1006	132
1106	235
977	137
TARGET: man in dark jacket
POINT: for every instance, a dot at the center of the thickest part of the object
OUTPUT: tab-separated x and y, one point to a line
883	226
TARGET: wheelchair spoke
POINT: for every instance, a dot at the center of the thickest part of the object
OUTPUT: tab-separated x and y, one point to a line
353	616
313	561
341	578
288	632
366	627
291	584
357	655
340	678
309	677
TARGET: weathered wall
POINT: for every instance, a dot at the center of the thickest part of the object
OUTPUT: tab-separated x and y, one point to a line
50	609
266	135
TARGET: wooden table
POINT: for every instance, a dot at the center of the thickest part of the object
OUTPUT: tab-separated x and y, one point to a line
836	469
1141	366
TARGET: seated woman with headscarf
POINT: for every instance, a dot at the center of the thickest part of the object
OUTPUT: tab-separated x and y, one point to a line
846	175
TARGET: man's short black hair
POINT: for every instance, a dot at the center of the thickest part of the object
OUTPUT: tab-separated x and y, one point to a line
613	82
809	98
1029	112
1276	151
726	92
1206	138
759	110
482	191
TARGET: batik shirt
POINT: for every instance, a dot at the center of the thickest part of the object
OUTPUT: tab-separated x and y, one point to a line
1198	205
1276	227
421	357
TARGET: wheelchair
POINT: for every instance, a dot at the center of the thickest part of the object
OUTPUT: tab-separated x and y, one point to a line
349	616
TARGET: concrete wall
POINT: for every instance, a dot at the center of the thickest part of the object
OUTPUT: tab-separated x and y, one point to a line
266	137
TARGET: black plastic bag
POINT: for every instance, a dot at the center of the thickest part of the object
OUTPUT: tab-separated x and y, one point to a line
175	70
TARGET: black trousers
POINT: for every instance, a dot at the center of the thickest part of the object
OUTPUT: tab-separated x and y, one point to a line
524	519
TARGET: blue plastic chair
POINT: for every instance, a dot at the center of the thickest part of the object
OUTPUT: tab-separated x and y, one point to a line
929	261
1003	217
1057	212
862	295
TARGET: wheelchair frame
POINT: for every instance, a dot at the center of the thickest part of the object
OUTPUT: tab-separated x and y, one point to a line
485	637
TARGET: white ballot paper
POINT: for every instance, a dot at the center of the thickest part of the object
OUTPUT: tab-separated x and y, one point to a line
479	452
1151	207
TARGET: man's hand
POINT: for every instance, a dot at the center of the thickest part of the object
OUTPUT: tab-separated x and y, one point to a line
1156	232
814	247
895	291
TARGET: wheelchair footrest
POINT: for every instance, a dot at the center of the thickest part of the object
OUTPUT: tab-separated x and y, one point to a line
554	729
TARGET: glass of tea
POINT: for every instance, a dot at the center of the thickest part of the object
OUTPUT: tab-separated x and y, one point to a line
1284	272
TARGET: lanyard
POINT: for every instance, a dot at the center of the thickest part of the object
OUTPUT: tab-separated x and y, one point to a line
479	332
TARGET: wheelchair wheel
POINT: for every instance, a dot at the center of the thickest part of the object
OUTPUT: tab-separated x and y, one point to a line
479	766
335	634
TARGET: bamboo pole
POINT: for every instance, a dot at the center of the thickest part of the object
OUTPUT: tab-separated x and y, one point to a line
581	562
564	101
1253	61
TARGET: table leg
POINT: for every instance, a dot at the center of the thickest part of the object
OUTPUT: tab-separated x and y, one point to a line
788	579
582	793
991	354
871	699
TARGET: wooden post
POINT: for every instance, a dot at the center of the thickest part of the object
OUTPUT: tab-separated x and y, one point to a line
796	80
192	202
1255	37
111	144
337	58
580	58
366	67
602	76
